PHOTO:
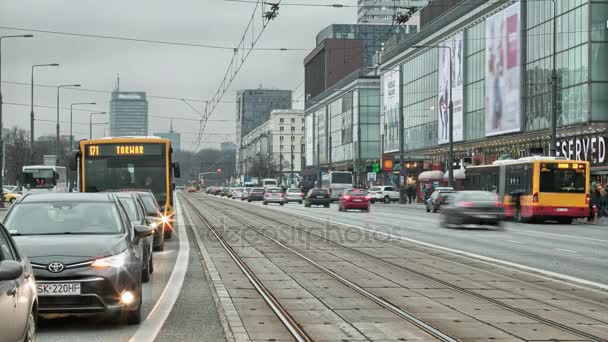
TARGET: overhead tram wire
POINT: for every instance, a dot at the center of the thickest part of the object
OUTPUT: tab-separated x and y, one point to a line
335	5
235	66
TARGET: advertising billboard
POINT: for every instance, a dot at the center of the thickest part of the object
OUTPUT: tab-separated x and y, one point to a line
455	44
390	109
503	71
322	129
309	128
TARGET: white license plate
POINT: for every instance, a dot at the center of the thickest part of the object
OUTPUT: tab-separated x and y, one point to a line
59	289
356	200
561	209
320	196
487	216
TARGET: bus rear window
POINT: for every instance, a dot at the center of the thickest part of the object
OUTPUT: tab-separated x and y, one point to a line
553	179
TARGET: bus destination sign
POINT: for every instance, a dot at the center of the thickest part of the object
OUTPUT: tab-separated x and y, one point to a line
119	150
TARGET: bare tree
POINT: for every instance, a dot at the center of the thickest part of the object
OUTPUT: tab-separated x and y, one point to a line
17	153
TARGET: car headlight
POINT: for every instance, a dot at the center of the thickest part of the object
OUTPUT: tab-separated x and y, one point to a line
153	224
116	261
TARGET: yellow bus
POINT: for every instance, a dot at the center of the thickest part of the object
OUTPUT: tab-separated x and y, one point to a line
128	163
536	188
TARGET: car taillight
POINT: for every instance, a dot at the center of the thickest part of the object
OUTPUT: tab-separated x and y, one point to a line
282	194
326	195
266	195
463	204
346	197
301	195
535	198
367	198
587	199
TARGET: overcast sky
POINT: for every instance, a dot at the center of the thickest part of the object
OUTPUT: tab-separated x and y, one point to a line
159	70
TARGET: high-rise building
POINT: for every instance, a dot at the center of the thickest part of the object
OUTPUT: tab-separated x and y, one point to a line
379	12
253	107
175	138
128	114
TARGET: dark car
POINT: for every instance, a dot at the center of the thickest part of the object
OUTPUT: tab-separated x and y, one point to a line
317	197
137	215
86	255
18	299
161	225
472	208
274	195
256	194
355	199
437	199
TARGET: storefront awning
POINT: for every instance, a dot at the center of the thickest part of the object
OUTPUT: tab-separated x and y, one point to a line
430	176
458	174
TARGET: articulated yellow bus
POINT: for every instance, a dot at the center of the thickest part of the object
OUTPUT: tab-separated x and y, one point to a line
128	163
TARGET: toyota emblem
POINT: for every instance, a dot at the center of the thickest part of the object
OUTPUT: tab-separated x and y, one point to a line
56	267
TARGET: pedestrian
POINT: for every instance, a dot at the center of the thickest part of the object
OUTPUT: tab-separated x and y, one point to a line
410	193
594	202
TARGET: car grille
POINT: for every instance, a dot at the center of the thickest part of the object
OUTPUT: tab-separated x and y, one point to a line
69	302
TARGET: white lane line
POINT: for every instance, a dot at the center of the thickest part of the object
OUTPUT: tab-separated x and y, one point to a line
558	235
565	250
523	243
489	260
149	329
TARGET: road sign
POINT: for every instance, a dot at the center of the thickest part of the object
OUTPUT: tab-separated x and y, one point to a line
376	167
371	176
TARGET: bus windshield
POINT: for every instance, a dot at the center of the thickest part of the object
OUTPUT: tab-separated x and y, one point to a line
115	173
553	179
39	179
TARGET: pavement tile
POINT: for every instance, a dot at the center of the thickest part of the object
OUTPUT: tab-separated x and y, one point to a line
243	293
599	330
499	294
500	316
368	315
349	303
470	329
291	293
538	332
267	330
564	317
333	332
598	312
322	316
392	331
302	304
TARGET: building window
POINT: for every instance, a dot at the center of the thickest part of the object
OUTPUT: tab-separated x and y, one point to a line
293	128
281	120
293	138
293	120
293	147
282	128
281	147
281	138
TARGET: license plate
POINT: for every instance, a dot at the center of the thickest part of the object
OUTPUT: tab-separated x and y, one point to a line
356	200
59	289
320	196
561	209
486	216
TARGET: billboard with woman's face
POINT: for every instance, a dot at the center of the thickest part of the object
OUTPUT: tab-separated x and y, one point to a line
450	76
503	72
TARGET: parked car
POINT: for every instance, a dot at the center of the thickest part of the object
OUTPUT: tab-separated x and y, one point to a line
274	195
236	193
245	193
317	196
472	208
18	298
256	194
383	193
136	213
85	253
192	189
437	198
161	226
225	192
355	199
294	195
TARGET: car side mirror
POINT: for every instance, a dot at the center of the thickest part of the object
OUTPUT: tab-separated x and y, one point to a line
142	231
10	270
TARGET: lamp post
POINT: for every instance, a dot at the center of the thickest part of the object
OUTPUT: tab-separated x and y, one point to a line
450	116
552	146
57	138
1	122
91	122
32	102
71	112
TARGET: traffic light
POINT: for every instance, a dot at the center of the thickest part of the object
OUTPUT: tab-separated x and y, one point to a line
376	167
219	170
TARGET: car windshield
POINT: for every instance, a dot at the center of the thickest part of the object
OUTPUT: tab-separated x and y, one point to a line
274	191
477	196
131	207
553	179
357	192
149	204
58	218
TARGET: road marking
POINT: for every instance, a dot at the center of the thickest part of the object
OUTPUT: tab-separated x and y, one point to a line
149	329
558	235
523	243
565	250
489	260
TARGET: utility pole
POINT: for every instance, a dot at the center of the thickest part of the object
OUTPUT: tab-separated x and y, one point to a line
401	143
292	145
553	144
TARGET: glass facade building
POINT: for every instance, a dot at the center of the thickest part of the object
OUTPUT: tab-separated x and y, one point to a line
521	42
128	114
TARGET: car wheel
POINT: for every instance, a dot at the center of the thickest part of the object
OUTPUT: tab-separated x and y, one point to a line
265	203
434	209
366	210
300	202
340	208
151	263
372	201
134	317
145	273
248	201
306	205
326	205
427	209
168	234
282	203
30	334
387	200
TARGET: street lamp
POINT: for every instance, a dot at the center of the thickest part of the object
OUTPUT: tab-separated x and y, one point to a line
91	122
32	102
1	127
57	138
71	112
450	116
552	146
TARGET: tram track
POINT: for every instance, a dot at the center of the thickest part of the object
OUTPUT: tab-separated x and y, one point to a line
464	291
409	317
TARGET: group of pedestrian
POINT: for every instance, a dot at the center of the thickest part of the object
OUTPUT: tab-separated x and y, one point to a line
598	202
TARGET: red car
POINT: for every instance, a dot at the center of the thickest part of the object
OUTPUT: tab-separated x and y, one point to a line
355	199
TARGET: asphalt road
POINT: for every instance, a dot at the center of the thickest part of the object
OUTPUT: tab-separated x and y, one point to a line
577	250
